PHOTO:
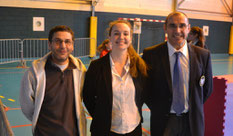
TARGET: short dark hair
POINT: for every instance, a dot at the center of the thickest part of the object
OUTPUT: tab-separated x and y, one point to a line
62	28
175	13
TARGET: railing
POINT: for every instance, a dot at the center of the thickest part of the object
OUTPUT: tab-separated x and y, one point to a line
9	50
5	128
34	48
13	50
80	47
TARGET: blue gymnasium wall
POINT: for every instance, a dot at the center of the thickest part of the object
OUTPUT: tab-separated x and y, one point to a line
17	23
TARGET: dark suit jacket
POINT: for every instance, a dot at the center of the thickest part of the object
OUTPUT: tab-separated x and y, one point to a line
159	87
98	95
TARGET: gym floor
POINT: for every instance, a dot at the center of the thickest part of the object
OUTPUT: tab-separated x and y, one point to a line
10	77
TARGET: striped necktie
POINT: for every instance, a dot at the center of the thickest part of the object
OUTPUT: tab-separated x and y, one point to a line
178	86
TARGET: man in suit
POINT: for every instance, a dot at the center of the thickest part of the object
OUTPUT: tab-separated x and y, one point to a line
196	87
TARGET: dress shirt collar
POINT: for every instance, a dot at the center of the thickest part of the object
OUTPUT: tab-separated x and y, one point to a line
183	50
126	67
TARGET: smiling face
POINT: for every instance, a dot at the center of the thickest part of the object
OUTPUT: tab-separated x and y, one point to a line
61	46
120	37
177	29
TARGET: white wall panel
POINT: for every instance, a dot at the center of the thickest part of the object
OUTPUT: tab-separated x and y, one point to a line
46	4
207	9
122	3
206	5
142	4
143	7
156	4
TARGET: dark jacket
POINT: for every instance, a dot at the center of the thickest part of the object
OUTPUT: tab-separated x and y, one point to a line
98	95
159	87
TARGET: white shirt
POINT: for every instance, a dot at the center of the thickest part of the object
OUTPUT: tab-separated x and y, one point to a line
184	60
125	115
62	67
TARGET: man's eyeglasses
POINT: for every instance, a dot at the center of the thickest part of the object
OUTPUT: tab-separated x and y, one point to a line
59	42
174	26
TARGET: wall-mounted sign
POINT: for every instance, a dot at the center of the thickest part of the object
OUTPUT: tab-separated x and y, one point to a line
137	27
38	23
206	30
